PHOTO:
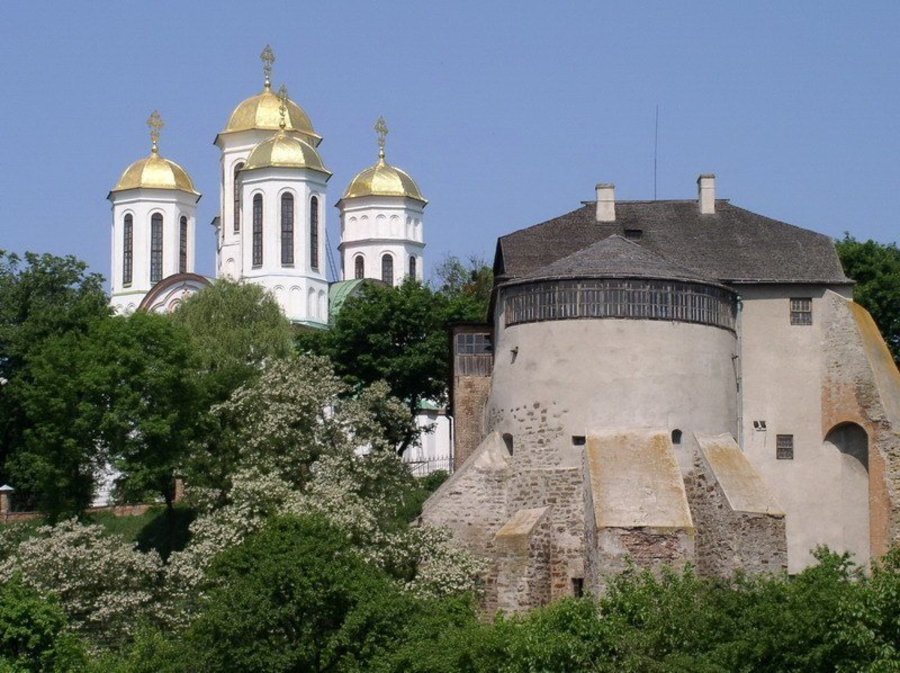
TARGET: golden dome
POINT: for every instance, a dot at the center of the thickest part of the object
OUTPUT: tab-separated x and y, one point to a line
382	179
263	112
155	172
285	150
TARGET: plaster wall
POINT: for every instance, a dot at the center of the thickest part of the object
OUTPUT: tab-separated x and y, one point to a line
300	289
374	226
782	369
632	374
142	204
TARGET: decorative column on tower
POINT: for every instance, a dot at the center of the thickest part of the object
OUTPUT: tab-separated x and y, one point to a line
153	228
282	238
381	222
256	119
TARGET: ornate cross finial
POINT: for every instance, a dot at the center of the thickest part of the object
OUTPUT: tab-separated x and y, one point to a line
268	58
155	123
382	130
282	109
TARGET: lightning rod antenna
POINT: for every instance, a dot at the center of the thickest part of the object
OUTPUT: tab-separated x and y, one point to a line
655	149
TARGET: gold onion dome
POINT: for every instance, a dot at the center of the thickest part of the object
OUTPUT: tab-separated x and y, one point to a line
154	171
285	150
263	110
382	179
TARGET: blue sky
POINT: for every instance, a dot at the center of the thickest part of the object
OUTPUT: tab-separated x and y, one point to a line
506	114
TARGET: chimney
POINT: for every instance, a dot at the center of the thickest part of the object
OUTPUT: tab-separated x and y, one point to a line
706	193
606	203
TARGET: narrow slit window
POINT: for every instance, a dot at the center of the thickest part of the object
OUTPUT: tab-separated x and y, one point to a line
156	247
314	233
359	267
287	230
412	266
676	436
387	269
182	244
236	187
127	250
257	230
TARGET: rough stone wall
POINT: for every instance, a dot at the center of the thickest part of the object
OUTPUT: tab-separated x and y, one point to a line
470	394
560	490
646	548
522	567
862	386
727	540
537	434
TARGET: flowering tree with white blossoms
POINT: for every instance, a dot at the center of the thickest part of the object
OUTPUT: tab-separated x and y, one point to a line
104	584
307	446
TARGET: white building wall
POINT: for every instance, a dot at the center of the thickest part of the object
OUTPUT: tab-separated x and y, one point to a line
300	289
142	204
649	374
374	226
783	379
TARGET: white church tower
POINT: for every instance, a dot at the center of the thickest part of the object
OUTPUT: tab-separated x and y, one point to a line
381	222
253	121
282	240
153	228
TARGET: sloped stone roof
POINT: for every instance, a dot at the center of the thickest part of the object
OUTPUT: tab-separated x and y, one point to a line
733	245
614	257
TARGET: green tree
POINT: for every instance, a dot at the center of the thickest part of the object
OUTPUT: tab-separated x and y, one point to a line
234	330
33	634
121	392
469	283
41	297
398	335
876	269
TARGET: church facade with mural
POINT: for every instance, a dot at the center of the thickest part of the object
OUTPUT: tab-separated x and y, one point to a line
665	382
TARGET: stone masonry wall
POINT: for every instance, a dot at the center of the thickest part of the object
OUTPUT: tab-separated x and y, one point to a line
470	395
522	568
727	540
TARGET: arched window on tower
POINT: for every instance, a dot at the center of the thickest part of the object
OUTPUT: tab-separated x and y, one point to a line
236	187
287	230
314	233
257	231
127	249
182	245
412	266
156	247
359	267
387	269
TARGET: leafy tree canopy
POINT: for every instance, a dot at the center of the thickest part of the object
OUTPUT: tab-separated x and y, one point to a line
41	297
876	269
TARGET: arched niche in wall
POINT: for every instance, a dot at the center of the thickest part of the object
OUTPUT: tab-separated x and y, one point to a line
848	446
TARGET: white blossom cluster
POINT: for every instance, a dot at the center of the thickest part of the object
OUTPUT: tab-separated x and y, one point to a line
104	583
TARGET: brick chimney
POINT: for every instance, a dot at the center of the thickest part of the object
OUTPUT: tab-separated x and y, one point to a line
606	203
706	193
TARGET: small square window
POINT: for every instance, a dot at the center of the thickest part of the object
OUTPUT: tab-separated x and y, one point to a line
784	447
801	311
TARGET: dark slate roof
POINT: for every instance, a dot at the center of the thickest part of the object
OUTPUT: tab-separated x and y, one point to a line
733	245
614	257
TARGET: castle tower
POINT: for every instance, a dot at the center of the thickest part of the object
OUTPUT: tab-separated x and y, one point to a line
153	228
381	222
282	239
253	121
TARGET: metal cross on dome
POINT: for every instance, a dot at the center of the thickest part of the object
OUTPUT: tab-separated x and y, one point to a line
268	58
382	130
282	108
156	123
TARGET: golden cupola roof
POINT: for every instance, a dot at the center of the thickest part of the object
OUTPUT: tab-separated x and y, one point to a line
155	171
383	179
263	110
285	150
